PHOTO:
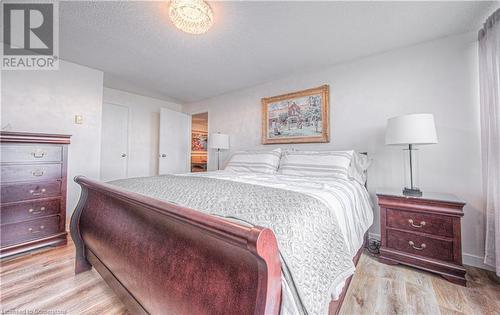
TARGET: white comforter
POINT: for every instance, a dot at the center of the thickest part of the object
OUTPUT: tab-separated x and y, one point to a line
348	199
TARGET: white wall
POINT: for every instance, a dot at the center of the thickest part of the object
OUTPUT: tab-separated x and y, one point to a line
144	126
47	101
438	77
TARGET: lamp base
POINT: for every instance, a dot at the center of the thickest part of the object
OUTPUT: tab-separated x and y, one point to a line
414	192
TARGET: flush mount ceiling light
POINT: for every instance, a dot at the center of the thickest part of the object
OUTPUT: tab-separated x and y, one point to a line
191	16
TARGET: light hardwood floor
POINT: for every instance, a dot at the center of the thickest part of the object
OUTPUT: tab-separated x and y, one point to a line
382	289
44	282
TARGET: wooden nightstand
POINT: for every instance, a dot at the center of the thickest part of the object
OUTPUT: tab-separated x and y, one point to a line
422	232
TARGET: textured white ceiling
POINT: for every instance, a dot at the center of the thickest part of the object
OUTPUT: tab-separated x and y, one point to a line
140	50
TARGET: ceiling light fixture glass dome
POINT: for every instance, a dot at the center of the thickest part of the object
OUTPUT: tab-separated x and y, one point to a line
191	16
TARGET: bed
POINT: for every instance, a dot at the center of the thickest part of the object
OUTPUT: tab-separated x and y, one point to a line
223	242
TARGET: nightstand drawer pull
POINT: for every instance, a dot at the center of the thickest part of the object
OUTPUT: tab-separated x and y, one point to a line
32	211
39	193
37	173
422	223
36	231
422	247
38	154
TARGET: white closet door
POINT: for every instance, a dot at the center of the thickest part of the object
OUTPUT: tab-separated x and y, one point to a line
114	145
174	142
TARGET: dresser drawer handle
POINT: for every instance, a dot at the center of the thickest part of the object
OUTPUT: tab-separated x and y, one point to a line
32	211
38	154
38	231
422	247
37	173
36	193
422	223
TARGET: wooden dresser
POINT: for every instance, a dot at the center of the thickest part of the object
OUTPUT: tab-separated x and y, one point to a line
33	191
422	232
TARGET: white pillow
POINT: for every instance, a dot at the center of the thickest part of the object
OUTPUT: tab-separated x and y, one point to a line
266	162
359	166
316	163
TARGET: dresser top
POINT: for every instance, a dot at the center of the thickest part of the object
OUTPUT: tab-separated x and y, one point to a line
391	192
30	137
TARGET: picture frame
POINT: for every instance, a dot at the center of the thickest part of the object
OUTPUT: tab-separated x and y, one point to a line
298	117
199	142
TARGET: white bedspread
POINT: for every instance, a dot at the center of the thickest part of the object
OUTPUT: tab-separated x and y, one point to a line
348	199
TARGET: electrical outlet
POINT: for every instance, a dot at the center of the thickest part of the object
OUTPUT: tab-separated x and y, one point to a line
78	119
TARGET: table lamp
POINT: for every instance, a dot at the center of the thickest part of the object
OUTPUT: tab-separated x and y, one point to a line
410	130
219	141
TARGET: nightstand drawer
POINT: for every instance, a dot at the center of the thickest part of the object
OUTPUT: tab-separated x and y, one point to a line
433	224
29	210
19	153
29	230
28	191
420	245
35	172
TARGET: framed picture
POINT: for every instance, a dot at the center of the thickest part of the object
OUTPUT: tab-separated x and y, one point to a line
199	141
300	117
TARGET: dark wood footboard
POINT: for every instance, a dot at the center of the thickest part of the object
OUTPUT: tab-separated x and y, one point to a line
161	258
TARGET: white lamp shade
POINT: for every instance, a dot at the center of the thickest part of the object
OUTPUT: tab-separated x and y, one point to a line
411	129
219	141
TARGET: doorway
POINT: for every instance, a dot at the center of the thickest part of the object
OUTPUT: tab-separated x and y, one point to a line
199	142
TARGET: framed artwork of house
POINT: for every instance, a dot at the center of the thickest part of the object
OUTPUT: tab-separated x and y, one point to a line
199	141
299	117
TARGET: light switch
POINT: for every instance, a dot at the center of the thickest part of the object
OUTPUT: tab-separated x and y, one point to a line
78	119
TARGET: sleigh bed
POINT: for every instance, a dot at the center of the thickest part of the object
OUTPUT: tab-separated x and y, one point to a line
162	257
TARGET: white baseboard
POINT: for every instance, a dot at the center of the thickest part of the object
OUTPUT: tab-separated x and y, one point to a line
475	261
467	259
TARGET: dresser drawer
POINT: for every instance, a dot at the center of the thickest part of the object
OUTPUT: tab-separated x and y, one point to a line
420	222
29	230
29	210
19	153
27	191
420	245
18	173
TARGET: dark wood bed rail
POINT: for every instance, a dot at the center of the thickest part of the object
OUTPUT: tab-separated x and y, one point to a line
161	258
